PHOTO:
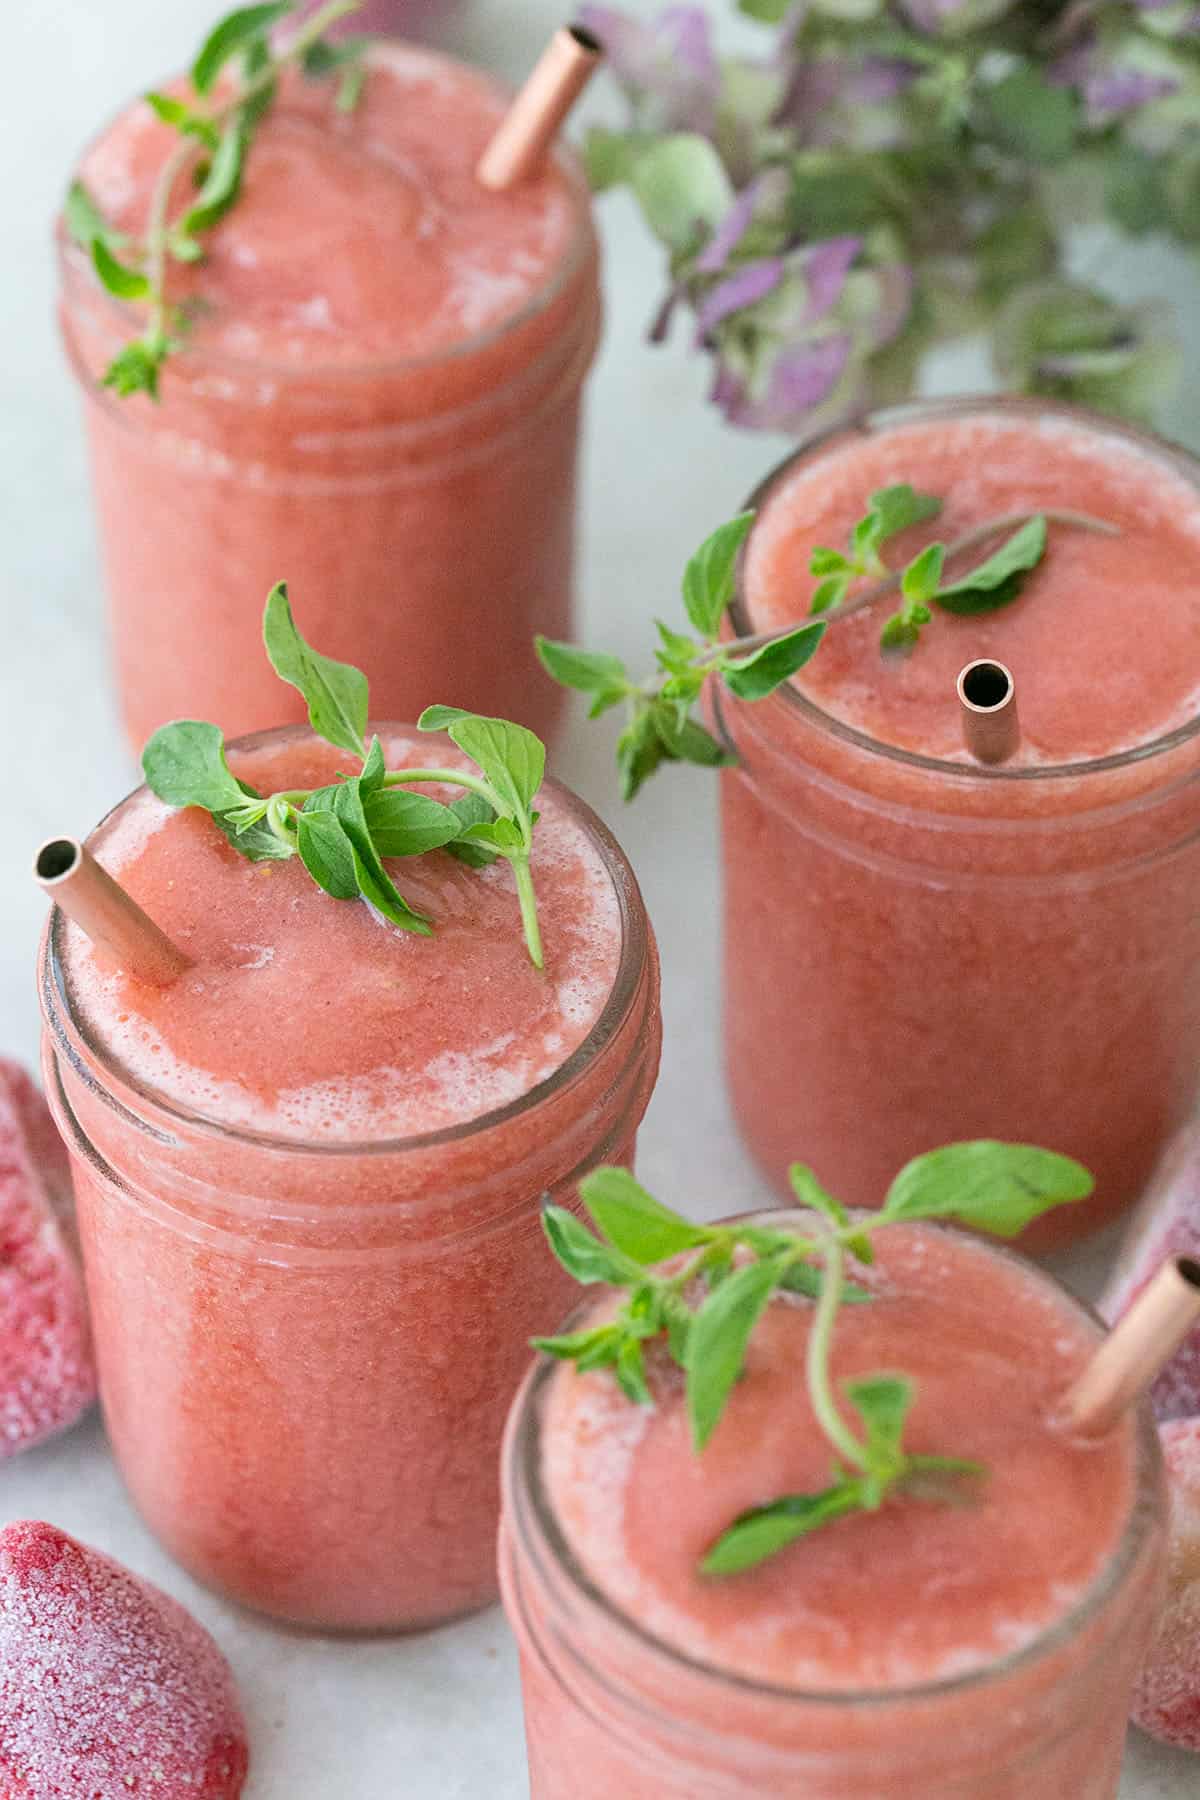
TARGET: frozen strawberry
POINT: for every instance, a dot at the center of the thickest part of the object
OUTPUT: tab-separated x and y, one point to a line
1167	1224
47	1378
1168	1699
108	1688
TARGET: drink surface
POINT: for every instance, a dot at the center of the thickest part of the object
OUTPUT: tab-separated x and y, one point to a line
1104	639
922	1590
356	238
311	1018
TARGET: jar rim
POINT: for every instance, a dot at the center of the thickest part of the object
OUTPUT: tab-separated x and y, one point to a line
542	1537
967	406
73	266
88	1050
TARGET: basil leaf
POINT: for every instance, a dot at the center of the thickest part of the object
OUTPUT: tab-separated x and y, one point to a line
883	1403
896	508
640	751
810	1193
406	824
125	283
631	1372
512	759
994	1187
633	1220
708	580
582	1254
718	1341
85	222
135	368
184	764
765	1530
327	853
997	579
336	692
758	674
374	883
222	184
920	579
231	34
687	741
594	1348
470	810
590	671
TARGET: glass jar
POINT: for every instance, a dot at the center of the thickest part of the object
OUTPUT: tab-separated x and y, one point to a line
612	1709
307	1350
423	508
918	950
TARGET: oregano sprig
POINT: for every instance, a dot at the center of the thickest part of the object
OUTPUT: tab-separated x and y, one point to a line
697	1292
660	724
344	832
214	137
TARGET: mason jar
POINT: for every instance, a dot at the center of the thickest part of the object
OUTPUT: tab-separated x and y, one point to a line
612	1708
307	1349
918	949
421	507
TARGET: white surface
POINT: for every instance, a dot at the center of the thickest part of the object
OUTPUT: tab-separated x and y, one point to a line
435	1717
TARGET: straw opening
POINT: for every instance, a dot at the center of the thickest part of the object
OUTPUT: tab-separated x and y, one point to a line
59	858
1189	1269
587	40
986	685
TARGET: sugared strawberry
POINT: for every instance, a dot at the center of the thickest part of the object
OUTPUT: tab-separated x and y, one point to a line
1167	1224
47	1378
1168	1699
108	1688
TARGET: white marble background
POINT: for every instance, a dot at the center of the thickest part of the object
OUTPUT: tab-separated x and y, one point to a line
434	1717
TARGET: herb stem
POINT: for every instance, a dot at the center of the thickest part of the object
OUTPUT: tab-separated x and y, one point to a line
820	1339
970	540
529	914
457	777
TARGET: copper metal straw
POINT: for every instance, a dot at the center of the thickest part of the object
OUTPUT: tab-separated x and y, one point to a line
532	122
74	880
987	698
1139	1345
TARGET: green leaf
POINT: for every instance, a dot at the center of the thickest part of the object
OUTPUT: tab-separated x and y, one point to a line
350	87
85	222
995	1187
336	692
899	506
471	810
997	579
688	741
222	184
883	1403
231	34
633	1220
593	1348
631	1372
1030	116
257	843
374	883
761	671
830	592
640	751
327	853
719	1337
135	368
179	115
709	577
682	187
920	579
184	764
765	1530
810	1193
406	824
512	758
590	671
582	1254
117	277
610	157
1134	190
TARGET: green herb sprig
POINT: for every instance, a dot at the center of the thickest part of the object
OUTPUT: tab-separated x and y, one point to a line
661	727
214	137
703	1307
342	833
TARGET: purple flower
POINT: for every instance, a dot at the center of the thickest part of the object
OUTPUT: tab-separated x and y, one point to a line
799	380
948	18
751	283
833	100
826	267
730	232
671	60
1108	93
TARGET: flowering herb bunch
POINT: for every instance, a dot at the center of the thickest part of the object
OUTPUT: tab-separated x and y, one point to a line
887	174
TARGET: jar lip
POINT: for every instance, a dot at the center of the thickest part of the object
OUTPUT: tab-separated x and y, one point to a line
80	1045
73	266
965	407
544	1540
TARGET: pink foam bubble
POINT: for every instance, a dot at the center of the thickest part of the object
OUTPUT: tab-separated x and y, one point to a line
47	1378
1168	1699
107	1686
